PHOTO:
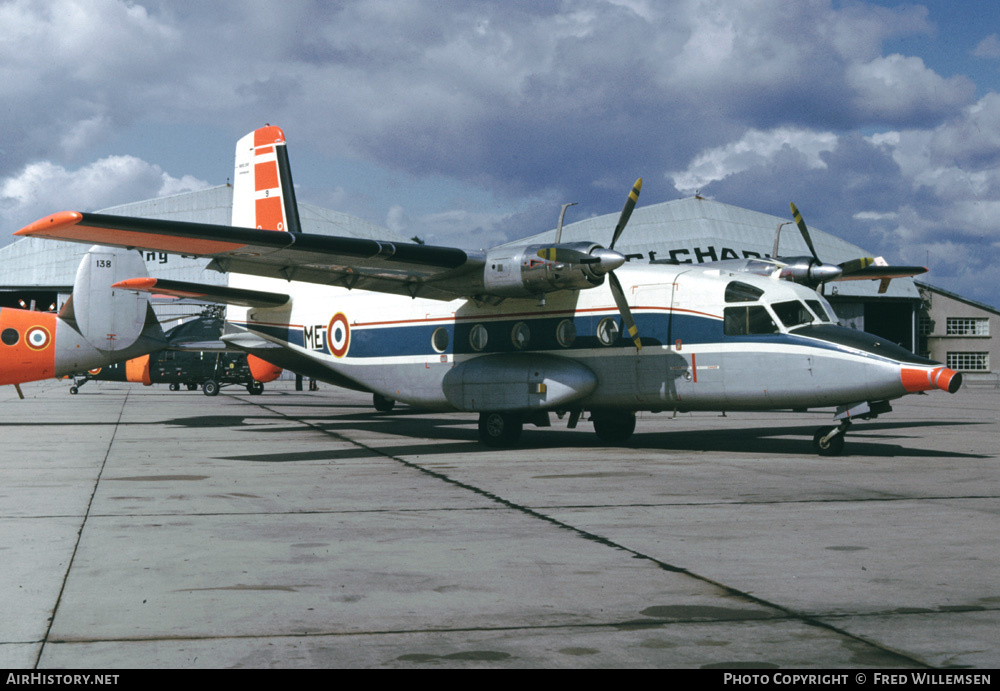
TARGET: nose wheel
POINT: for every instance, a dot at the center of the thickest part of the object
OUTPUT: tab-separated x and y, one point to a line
829	441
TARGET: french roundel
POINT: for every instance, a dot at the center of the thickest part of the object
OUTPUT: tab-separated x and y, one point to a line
37	338
338	335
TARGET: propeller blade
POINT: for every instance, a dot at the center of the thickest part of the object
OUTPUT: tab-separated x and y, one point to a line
633	196
627	320
805	231
855	265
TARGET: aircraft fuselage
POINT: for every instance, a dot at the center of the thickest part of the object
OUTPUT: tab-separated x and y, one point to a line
706	346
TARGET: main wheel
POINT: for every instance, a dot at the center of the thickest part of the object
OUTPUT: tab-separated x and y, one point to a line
833	446
499	429
613	426
175	387
210	388
382	404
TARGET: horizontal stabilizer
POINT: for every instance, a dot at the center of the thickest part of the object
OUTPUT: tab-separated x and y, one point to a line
209	293
248	341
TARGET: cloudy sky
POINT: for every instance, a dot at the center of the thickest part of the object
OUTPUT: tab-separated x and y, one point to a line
469	123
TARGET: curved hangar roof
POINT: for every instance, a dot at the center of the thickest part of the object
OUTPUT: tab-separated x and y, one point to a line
700	230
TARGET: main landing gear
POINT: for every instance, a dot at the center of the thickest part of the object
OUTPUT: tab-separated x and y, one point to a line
500	429
613	426
382	404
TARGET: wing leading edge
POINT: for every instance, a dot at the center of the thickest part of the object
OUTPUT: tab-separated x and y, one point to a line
442	273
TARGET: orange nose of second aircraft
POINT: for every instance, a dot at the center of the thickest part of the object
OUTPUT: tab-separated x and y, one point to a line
27	345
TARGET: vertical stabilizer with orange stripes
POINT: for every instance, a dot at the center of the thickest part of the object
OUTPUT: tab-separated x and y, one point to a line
263	195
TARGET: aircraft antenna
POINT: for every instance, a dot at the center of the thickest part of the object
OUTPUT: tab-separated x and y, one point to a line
562	215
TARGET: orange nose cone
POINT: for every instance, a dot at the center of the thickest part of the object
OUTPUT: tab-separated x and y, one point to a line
926	379
27	345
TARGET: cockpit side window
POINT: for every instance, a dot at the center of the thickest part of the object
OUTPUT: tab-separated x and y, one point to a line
792	313
742	292
817	307
749	320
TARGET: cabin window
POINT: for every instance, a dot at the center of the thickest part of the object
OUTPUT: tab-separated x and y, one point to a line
751	320
792	313
566	333
742	292
439	339
520	335
10	337
478	337
608	331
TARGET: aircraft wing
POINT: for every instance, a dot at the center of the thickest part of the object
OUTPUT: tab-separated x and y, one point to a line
884	272
209	293
442	273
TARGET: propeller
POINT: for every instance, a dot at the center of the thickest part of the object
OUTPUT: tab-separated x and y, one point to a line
602	261
616	286
817	271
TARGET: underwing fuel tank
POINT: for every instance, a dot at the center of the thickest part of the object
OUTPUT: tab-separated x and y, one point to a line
517	381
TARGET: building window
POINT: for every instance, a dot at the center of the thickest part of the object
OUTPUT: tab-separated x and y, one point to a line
968	326
924	325
969	362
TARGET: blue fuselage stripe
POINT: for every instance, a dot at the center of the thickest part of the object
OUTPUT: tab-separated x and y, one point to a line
415	339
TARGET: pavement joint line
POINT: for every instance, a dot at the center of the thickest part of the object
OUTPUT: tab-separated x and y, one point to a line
651	623
79	534
551	507
809	620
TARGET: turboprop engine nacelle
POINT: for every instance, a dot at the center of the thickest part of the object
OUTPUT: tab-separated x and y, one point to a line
809	272
534	270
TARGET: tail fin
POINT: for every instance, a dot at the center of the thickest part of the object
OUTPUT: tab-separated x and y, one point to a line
109	319
98	326
263	195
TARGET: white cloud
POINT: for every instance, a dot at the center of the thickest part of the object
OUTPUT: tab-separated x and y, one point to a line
753	149
42	188
897	87
988	48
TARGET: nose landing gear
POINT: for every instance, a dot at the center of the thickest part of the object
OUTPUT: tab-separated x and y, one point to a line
829	441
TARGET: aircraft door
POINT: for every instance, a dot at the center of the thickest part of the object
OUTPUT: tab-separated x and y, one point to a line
695	365
657	367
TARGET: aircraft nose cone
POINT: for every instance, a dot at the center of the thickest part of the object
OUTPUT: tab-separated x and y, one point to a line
924	380
609	260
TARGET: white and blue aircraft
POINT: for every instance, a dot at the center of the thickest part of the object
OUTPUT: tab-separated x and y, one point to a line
515	333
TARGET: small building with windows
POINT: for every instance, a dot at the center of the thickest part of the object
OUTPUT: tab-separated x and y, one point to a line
959	332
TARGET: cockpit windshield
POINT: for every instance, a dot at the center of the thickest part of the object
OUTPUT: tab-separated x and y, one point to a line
817	307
